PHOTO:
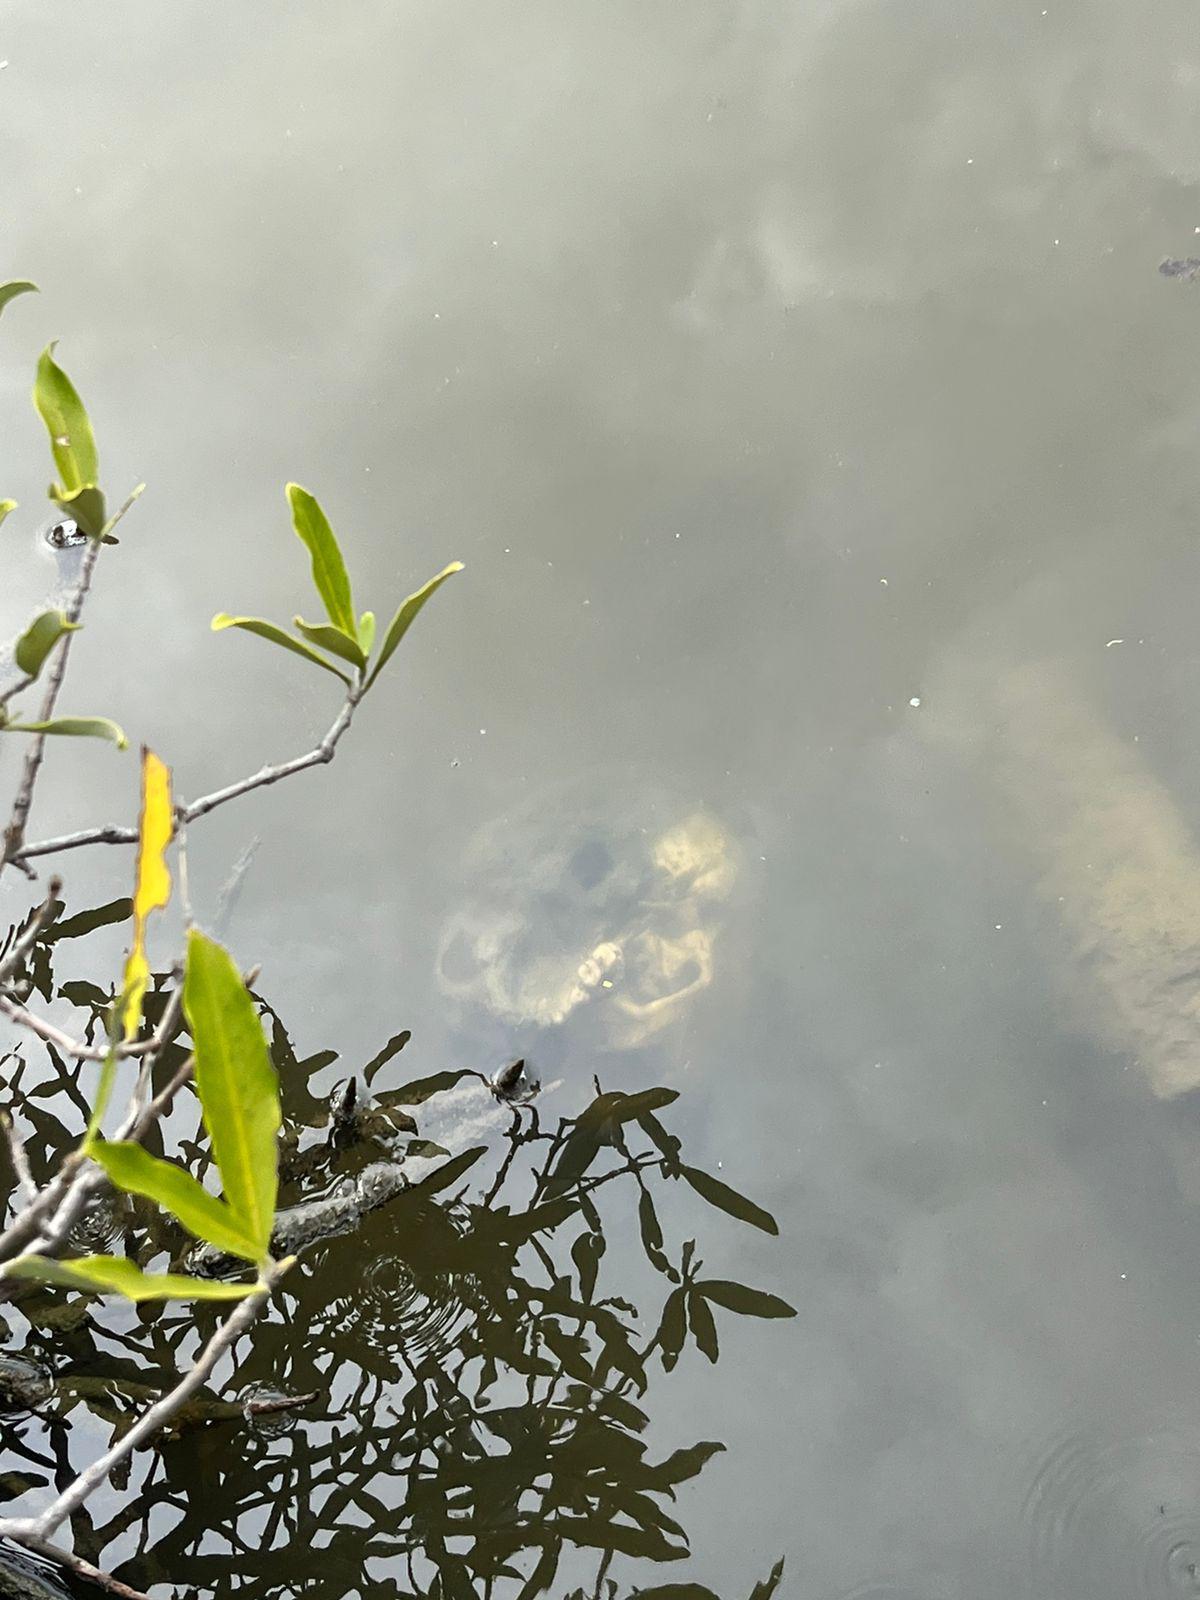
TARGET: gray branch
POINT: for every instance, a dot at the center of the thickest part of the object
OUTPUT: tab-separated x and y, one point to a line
76	1564
14	834
148	1424
320	755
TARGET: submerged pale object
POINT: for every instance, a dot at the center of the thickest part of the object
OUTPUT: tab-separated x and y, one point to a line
1114	857
599	904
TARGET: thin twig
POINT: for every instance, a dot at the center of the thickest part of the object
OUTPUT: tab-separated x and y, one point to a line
149	1423
320	755
27	1224
77	1565
77	1048
285	1402
20	1160
15	689
14	834
25	942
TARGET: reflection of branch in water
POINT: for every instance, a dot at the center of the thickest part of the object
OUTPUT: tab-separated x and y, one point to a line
487	1386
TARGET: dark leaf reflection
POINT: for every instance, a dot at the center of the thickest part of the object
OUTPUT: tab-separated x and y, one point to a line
451	1401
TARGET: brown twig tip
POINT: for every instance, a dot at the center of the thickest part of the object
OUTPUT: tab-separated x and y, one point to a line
54	888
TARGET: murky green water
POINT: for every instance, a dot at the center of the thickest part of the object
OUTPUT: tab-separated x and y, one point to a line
800	389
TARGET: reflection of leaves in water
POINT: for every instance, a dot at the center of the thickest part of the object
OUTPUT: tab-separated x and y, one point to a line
484	1384
394	1311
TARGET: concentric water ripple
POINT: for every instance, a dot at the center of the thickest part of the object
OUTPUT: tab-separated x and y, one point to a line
395	1311
101	1227
1104	1516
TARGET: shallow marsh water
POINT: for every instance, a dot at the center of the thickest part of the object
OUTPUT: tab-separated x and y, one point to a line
801	389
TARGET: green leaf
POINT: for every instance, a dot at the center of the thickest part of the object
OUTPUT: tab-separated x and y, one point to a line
406	616
746	1302
704	1329
328	568
333	640
87	507
277	635
729	1200
72	444
366	631
115	1275
238	1090
626	1107
10	291
39	638
6	508
138	1172
765	1589
77	727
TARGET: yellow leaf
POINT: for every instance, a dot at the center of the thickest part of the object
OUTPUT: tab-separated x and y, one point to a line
152	888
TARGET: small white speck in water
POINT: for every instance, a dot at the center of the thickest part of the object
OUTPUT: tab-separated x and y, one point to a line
1112	642
915	701
884	582
483	730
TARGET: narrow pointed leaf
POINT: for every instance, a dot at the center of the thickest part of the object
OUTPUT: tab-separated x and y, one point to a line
729	1200
104	1089
85	922
704	1329
677	1591
407	615
10	291
683	1464
450	1171
7	507
392	1048
672	1330
77	727
277	635
136	1171
366	631
765	1589
333	640
72	444
746	1302
422	1089
236	1083
39	638
152	884
328	569
115	1275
